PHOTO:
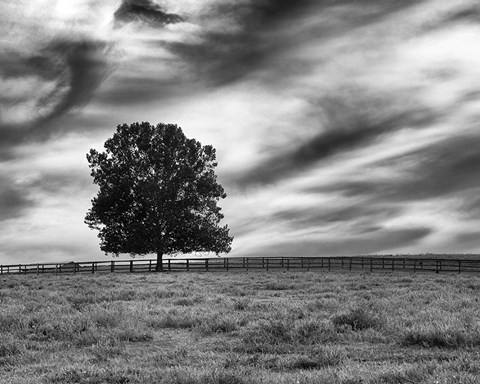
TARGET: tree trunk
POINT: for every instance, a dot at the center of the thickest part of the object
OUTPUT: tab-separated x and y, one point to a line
159	267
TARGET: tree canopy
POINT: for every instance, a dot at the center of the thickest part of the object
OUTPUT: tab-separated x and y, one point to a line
158	193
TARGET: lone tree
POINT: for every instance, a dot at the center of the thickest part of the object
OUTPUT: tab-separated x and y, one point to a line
158	193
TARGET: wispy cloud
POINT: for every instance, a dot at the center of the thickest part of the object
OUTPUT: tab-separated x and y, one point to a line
14	200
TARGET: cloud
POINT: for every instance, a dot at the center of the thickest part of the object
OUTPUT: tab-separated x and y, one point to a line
448	167
231	42
344	124
69	70
14	200
350	218
144	11
466	13
251	38
84	68
18	196
366	243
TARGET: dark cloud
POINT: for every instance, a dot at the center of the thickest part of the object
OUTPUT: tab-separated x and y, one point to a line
223	57
14	201
85	67
449	167
76	67
345	126
144	11
17	197
261	14
354	219
375	242
265	11
16	65
470	13
266	28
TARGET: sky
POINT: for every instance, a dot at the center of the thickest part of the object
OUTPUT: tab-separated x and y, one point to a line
342	127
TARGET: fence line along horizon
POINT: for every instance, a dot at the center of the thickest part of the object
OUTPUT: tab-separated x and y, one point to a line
390	263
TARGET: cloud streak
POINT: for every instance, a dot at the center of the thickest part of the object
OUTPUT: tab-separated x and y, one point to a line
342	128
14	201
73	71
449	167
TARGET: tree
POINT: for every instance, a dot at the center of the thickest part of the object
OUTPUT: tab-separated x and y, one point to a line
158	193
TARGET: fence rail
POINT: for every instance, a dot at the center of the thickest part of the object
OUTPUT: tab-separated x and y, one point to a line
365	263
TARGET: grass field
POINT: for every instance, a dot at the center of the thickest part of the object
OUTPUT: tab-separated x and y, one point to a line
220	328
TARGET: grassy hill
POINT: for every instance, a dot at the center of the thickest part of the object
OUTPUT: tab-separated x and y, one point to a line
332	328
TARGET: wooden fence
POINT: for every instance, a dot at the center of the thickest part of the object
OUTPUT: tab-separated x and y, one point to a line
358	263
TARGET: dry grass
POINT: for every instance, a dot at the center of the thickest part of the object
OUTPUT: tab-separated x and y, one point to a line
332	328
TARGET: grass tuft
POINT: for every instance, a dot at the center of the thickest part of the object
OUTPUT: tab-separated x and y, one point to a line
218	376
358	319
440	338
405	375
318	358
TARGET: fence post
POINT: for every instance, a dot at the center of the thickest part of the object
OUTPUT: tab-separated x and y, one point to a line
93	267
188	264
328	264
38	269
226	261
206	264
459	266
393	265
112	266
414	266
246	259
288	264
371	265
131	265
150	265
350	265
74	267
440	265
267	264
362	262
169	265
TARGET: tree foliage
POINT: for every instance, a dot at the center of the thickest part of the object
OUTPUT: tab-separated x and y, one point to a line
158	193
